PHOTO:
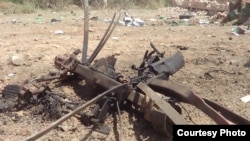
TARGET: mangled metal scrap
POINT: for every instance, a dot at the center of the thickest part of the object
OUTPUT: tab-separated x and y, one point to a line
151	91
155	95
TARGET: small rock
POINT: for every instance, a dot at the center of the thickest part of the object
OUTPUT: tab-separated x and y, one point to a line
56	45
91	30
13	118
230	38
234	62
69	126
10	74
67	90
130	132
182	47
54	20
97	135
64	127
13	21
117	53
94	18
115	38
16	60
245	99
58	32
20	113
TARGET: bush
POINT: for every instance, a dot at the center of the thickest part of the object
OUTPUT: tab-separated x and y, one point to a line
125	4
122	4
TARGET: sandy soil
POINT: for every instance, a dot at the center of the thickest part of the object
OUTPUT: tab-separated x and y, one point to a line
209	47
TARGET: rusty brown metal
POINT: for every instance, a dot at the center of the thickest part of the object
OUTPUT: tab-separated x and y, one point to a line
162	86
184	94
158	119
237	119
148	93
172	114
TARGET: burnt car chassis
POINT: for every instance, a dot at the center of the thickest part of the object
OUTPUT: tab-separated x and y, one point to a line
151	91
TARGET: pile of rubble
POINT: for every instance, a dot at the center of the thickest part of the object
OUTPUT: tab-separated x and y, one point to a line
234	12
210	5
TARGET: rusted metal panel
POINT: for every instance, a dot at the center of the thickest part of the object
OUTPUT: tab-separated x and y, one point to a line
184	94
163	105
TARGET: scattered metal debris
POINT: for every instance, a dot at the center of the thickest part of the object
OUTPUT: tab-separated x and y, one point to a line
237	31
247	23
129	21
204	21
238	12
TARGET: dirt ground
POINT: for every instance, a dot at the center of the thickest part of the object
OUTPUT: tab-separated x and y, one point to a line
32	38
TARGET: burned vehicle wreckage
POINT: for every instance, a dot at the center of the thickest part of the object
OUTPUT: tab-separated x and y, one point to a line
151	92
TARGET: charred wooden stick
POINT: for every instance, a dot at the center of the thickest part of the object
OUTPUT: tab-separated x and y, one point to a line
86	31
69	115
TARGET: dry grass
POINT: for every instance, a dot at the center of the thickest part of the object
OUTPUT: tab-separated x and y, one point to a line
28	6
12	8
